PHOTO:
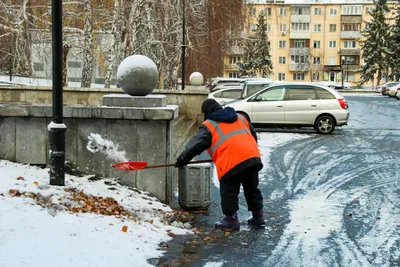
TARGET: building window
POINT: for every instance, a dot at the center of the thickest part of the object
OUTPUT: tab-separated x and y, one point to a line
281	76
282	60
317	11
299	43
301	11
269	27
332	27
298	76
316	60
234	59
333	11
350	76
351	10
332	61
369	10
351	60
332	44
351	27
350	44
300	27
317	44
282	11
296	59
317	27
269	43
282	44
233	74
267	11
282	27
315	76
253	27
252	11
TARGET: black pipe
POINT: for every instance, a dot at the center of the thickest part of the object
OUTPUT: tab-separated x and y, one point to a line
11	63
57	128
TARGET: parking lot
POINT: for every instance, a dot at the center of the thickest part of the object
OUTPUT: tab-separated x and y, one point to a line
331	200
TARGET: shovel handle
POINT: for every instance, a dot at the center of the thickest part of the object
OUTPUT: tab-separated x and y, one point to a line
173	164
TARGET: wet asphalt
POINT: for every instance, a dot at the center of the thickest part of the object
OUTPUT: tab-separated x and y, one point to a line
329	200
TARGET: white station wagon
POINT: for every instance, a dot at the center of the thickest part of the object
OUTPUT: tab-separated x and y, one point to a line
295	105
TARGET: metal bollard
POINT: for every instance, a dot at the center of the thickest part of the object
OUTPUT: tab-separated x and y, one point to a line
195	186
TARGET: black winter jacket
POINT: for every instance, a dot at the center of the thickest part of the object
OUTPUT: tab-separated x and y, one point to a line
202	141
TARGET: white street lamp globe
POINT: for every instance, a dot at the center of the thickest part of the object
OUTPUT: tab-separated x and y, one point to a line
196	78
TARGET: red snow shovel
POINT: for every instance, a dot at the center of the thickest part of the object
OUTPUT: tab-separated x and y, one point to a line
140	165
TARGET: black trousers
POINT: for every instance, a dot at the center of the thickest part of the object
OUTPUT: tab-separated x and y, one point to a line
230	189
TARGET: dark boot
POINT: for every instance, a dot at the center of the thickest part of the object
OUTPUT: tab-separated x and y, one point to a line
257	219
230	222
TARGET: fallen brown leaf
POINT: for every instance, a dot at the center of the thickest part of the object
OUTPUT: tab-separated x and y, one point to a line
124	228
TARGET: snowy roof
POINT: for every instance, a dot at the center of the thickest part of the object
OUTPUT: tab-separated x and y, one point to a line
309	2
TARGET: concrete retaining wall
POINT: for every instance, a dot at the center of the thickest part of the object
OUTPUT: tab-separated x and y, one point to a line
146	134
189	101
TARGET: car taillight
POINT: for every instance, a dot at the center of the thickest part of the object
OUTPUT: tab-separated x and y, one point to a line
342	103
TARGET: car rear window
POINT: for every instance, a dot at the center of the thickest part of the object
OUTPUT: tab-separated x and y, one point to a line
325	94
301	94
234	94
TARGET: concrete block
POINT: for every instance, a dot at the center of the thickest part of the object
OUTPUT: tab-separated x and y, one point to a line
125	100
14	111
81	112
111	113
95	163
168	113
133	114
41	111
124	134
7	138
31	140
96	112
152	147
71	139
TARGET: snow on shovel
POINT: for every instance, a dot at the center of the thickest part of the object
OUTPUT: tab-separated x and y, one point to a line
98	144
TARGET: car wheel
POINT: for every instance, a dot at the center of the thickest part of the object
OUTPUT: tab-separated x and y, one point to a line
325	124
245	115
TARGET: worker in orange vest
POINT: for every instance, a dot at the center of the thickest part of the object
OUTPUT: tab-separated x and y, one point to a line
231	142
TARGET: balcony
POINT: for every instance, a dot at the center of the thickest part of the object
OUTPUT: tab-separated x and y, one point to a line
300	51
350	52
351	18
300	18
235	50
231	67
300	35
350	34
351	67
299	66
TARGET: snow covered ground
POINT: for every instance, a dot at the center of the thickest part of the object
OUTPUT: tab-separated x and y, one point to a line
85	223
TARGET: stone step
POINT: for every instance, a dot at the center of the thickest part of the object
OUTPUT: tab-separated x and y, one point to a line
183	130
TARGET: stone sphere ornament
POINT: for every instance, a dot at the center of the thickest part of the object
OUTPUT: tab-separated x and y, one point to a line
137	75
196	78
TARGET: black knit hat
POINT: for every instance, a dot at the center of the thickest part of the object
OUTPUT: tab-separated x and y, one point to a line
210	106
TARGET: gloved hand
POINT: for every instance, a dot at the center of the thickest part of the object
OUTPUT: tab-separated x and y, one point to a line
179	163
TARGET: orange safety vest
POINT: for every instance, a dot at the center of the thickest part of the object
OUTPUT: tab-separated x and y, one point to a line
232	144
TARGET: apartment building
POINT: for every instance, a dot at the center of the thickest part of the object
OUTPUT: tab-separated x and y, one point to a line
310	40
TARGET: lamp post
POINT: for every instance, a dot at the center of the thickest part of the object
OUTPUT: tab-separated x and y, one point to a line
341	67
56	127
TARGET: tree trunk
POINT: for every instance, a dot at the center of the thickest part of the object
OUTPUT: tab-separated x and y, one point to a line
114	52
66	48
87	71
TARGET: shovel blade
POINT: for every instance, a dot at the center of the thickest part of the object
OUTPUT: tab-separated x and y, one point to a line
131	165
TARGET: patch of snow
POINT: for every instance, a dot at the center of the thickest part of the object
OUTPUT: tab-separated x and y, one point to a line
33	234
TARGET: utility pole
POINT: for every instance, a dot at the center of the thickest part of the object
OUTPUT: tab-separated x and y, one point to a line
57	128
183	43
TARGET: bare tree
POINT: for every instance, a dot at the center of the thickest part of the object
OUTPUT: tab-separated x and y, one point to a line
87	71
